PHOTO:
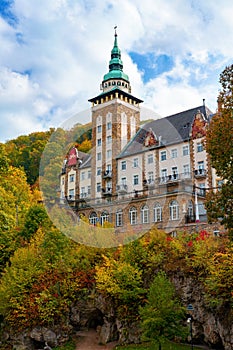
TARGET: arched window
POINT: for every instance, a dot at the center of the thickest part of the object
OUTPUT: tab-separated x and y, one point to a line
174	210
104	217
145	214
119	218
157	212
93	218
133	216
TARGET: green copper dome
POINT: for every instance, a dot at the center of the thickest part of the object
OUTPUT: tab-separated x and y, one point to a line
116	64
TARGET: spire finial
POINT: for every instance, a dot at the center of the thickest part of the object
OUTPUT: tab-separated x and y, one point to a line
115	28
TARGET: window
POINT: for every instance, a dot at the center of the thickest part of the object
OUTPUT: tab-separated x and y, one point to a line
200	147
150	176
99	156
63	181
201	168
163	175
150	158
109	140
93	218
99	128
163	155
135	180
104	217
109	153
89	190
109	126
119	218
190	209
145	214
89	174
186	170
71	194
71	178
135	162
98	187
157	212
98	172
123	181
174	173
185	150
83	175
174	153
98	142
174	210
200	165
123	165
133	216
82	194
202	189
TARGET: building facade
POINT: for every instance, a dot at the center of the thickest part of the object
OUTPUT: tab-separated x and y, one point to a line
139	175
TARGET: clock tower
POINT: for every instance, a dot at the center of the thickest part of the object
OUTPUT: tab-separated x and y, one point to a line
115	120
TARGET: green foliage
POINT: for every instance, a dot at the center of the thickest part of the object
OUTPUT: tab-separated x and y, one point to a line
120	280
149	346
68	346
162	315
219	145
34	218
219	281
50	272
25	151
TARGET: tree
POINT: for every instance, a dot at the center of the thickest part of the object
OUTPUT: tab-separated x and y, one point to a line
162	315
219	145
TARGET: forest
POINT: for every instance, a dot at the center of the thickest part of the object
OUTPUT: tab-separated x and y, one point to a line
44	273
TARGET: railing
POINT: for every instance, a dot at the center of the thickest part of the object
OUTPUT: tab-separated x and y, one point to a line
122	188
107	191
200	172
174	178
107	174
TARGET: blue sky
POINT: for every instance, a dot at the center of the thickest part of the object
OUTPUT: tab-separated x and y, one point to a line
54	55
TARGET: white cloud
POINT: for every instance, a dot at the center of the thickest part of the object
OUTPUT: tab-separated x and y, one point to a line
54	57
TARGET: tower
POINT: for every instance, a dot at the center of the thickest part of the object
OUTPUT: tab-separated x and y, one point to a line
115	120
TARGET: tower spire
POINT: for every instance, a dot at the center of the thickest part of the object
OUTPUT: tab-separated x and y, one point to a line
115	73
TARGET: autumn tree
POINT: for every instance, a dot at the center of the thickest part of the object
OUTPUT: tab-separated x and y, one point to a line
220	148
162	315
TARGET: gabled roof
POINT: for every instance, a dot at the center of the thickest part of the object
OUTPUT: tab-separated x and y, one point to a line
169	130
86	161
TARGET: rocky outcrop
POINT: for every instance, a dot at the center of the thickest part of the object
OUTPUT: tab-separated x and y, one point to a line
213	327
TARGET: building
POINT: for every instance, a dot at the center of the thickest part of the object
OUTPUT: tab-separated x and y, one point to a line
139	175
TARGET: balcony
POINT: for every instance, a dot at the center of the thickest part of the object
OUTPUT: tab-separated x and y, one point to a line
199	173
169	179
174	178
107	192
122	188
149	184
107	174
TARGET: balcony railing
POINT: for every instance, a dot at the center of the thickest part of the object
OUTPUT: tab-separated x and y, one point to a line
122	188
200	173
149	183
107	191
107	174
173	178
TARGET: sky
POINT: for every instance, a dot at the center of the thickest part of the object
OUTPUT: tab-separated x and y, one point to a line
54	54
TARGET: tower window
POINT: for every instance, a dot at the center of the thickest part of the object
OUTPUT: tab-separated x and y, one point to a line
99	128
